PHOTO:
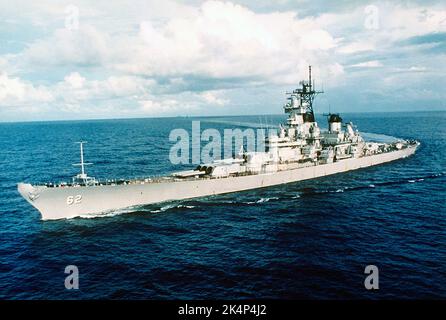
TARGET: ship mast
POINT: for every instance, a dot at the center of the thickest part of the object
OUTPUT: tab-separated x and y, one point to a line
82	164
307	93
301	101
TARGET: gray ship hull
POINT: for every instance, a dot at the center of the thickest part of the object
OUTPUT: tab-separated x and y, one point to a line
70	202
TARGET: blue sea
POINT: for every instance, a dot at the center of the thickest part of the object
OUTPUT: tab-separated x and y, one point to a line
305	240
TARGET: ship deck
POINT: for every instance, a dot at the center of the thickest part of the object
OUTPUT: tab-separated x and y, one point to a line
160	179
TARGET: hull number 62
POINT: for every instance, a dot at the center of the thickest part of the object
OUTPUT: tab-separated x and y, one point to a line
74	199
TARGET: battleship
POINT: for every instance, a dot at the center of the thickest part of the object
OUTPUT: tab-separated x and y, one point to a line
298	150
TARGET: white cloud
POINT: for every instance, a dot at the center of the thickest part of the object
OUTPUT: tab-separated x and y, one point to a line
76	94
355	47
78	88
75	80
151	107
228	40
134	58
182	103
214	98
14	91
220	40
368	64
85	46
401	21
3	62
417	69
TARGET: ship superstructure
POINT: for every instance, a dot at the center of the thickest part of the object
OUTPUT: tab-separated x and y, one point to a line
299	142
299	150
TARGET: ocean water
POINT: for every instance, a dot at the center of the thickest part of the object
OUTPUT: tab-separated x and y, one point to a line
309	239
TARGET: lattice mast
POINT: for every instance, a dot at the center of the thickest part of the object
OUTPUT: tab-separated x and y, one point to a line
301	99
307	93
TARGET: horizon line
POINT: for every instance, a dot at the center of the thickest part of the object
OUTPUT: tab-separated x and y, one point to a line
209	116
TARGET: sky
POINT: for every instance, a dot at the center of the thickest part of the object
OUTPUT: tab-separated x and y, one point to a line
63	60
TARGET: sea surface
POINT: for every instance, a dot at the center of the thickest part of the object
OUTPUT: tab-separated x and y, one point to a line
309	240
